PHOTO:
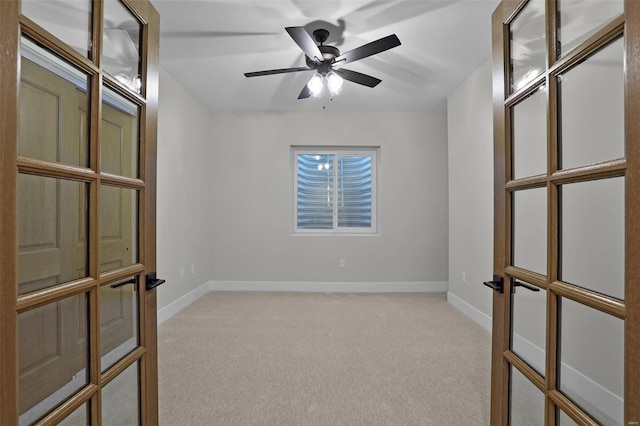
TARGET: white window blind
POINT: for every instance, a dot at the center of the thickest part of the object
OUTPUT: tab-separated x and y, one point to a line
334	190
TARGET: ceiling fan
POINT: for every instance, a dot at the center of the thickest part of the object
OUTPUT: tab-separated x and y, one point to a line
328	62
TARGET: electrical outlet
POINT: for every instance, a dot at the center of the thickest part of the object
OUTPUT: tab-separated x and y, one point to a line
193	268
464	277
343	263
181	272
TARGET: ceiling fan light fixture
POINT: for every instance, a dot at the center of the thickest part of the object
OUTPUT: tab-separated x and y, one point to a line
315	84
334	82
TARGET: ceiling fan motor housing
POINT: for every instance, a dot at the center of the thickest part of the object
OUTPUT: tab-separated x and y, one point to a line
329	53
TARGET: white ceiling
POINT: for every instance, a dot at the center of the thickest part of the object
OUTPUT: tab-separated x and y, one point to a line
207	45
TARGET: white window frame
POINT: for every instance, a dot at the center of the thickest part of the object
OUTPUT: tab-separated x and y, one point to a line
373	152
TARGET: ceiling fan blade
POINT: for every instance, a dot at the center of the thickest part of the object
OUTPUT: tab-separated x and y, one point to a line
278	71
386	43
357	77
306	43
305	93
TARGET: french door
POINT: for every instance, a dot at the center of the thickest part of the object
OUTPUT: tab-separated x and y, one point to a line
566	315
78	116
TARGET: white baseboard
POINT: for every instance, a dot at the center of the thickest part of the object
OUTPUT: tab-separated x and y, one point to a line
179	304
478	316
331	287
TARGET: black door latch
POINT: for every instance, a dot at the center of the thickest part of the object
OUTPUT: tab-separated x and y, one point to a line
152	281
497	284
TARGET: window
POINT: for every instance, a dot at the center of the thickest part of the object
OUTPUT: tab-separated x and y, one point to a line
334	190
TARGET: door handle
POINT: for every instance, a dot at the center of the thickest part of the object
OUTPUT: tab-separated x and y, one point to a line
152	281
525	285
497	284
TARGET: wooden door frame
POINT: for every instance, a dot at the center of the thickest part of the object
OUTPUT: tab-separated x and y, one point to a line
632	223
9	42
148	167
499	330
629	310
12	27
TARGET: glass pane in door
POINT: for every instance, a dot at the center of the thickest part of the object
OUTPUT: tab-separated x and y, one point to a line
53	356
591	112
118	227
592	235
564	419
530	230
69	20
80	417
529	326
118	320
580	19
528	44
592	361
527	402
529	126
52	232
120	399
121	45
53	119
119	145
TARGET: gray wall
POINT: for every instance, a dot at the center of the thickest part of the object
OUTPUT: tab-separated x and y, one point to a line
470	130
184	150
251	183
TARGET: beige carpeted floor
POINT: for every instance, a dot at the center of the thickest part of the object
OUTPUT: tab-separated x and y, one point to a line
245	358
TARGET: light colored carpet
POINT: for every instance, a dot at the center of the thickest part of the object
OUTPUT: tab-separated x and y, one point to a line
245	358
